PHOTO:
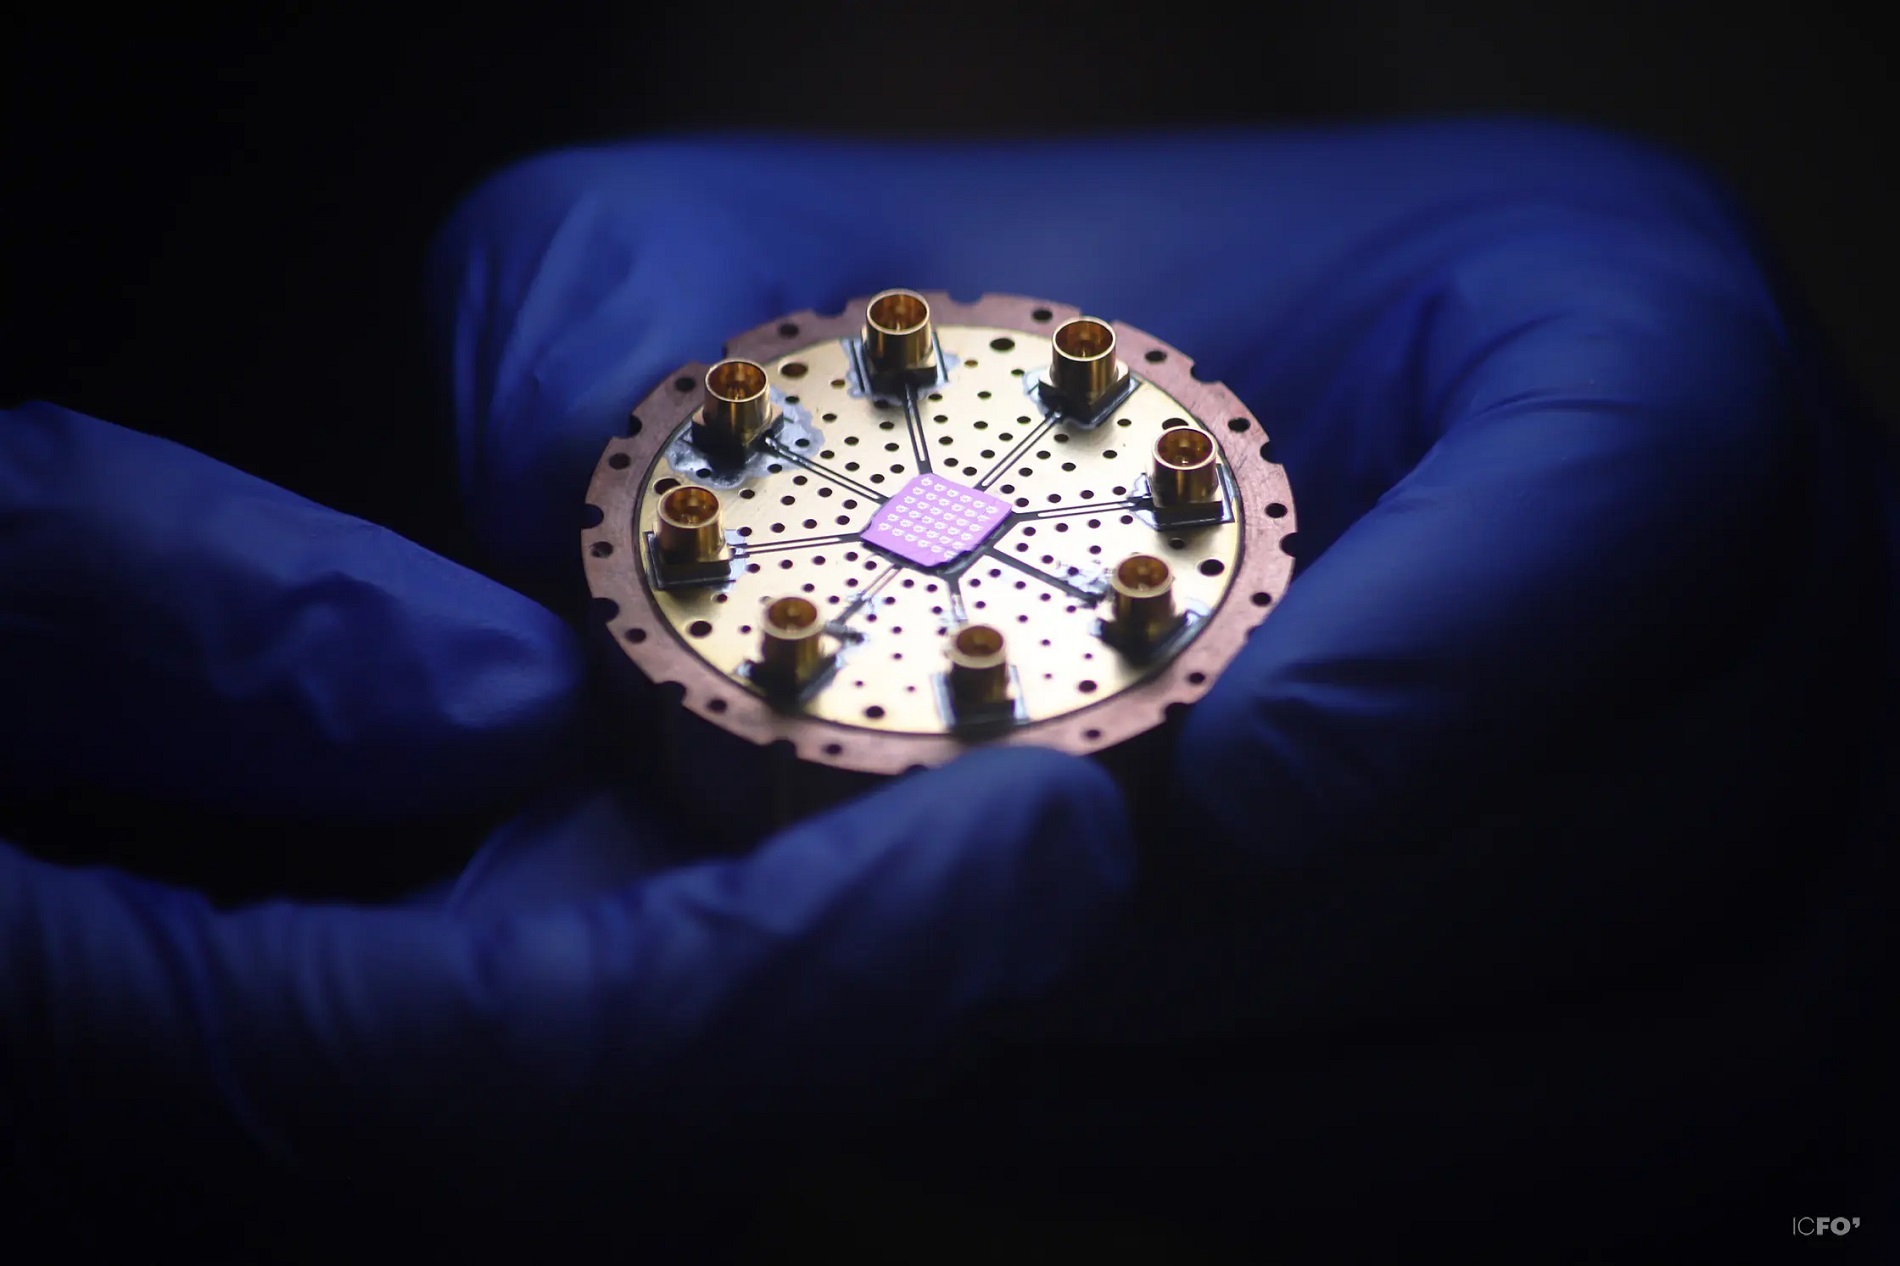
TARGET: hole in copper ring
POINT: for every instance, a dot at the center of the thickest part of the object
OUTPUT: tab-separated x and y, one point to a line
690	505
791	615
1085	338
898	312
736	381
1142	573
1184	448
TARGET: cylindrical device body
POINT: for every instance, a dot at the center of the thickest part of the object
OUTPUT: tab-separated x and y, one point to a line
979	668
1141	596
738	403
791	649
1185	470
688	525
1082	364
897	333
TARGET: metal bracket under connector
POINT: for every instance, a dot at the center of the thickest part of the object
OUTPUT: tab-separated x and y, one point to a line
894	382
782	693
980	719
722	453
696	573
1081	414
1190	515
1141	652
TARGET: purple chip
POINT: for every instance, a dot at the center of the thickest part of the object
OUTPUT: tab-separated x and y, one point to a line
932	521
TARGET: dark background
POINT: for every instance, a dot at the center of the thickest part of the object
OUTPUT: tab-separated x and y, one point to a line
214	227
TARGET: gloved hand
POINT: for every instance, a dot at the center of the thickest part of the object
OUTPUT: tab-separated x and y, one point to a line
1566	759
1586	559
174	628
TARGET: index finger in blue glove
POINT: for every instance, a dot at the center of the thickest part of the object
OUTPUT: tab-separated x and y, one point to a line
1570	449
174	627
819	974
1609	427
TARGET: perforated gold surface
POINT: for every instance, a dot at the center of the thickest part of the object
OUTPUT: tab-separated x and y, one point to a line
1037	581
795	513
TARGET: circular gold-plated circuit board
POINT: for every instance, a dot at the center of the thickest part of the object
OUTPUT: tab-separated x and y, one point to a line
887	535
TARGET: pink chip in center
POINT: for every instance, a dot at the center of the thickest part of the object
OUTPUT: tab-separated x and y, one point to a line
932	521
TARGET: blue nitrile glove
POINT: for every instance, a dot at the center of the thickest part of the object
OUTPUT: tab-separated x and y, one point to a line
175	628
1587	562
1585	692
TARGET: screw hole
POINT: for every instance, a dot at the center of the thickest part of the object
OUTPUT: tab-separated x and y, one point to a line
1212	567
1086	687
600	549
636	636
1262	599
620	461
1002	345
1042	314
874	712
1155	356
793	369
788	329
699	628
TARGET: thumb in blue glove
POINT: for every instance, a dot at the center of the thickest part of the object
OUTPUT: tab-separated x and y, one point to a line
173	627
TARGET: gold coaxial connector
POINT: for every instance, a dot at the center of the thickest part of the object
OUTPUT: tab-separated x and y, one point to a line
979	669
1141	602
738	405
791	643
689	525
1184	470
1082	365
898	339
